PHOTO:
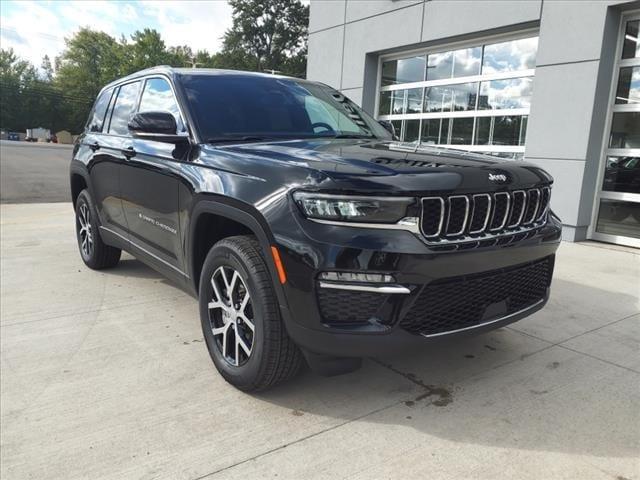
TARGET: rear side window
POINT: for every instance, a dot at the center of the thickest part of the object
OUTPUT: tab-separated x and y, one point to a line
124	107
157	96
96	119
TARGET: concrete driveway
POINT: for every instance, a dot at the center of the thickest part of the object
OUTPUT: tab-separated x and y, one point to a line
105	375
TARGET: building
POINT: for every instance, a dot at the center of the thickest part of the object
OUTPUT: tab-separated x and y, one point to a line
554	81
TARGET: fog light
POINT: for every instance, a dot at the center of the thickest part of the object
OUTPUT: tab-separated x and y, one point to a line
357	277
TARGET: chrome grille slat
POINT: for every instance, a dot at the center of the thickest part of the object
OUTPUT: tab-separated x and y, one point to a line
523	198
505	217
545	196
461	221
427	203
465	217
487	215
532	204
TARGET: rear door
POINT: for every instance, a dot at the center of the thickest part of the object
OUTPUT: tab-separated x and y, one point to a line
111	153
149	182
103	167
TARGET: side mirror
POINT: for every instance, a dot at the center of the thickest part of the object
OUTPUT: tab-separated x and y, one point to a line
388	126
158	126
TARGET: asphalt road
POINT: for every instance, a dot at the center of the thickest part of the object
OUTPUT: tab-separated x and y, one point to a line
34	172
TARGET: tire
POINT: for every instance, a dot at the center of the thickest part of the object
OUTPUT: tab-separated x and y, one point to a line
258	353
94	252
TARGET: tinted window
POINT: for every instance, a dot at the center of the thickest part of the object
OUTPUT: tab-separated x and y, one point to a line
625	130
157	96
96	119
124	106
631	47
240	105
500	94
510	56
404	70
628	86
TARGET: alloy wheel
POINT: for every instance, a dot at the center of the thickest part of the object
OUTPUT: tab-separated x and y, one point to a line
231	316
86	235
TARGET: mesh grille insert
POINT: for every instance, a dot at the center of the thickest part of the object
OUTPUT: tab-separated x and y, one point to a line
461	302
343	306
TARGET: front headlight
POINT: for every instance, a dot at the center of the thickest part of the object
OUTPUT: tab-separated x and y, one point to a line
346	208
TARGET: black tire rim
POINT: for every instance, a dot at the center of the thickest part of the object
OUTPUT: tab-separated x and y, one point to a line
231	316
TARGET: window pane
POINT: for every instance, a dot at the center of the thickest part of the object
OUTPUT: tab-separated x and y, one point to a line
628	85
437	99
414	100
467	62
499	94
97	115
631	46
403	71
397	127
411	130
509	130
625	130
125	104
483	130
464	96
622	174
510	56
451	97
435	130
461	131
619	218
397	101
384	108
439	65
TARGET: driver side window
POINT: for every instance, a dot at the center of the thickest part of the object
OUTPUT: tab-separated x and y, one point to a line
157	96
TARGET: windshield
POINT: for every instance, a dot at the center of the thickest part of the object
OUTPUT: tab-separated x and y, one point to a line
252	108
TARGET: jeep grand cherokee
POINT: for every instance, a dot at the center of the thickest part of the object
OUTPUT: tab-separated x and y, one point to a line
304	229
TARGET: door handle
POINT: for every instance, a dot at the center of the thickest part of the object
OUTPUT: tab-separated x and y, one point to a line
128	152
94	146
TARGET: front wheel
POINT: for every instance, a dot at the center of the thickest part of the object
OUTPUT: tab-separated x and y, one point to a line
240	317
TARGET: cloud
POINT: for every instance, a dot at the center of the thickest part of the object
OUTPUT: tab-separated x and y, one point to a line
197	24
34	29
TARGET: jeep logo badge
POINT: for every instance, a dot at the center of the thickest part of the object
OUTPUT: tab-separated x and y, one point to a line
497	177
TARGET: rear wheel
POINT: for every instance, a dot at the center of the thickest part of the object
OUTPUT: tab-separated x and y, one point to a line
94	252
241	319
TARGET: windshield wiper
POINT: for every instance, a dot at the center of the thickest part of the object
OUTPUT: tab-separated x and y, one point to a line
239	138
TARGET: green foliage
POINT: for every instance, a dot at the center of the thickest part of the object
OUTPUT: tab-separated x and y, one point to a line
266	35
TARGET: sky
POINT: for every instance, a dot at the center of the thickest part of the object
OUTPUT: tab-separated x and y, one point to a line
37	28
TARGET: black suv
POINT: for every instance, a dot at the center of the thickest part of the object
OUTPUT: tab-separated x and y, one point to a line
305	230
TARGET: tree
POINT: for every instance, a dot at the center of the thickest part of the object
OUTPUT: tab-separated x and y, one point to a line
147	50
90	61
47	69
266	35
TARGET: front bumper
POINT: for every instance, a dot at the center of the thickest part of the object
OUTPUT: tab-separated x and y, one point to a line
415	267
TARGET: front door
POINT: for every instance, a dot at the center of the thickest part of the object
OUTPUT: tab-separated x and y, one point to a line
617	213
149	185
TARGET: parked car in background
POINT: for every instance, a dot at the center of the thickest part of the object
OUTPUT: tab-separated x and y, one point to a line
304	229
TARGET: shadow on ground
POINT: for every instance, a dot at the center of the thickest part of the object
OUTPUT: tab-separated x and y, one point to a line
505	389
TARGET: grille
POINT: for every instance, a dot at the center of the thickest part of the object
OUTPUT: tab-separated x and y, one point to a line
459	218
343	306
461	302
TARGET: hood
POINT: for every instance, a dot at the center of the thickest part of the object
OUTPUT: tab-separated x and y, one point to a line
365	165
